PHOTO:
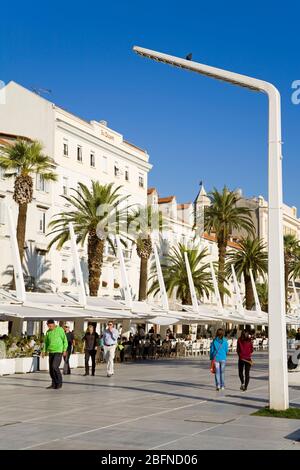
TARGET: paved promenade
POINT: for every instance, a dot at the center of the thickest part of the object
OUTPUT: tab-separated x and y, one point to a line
165	404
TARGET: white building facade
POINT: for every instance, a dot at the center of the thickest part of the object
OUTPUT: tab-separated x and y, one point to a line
180	227
82	151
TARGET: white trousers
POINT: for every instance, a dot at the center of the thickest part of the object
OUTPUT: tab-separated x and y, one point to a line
109	355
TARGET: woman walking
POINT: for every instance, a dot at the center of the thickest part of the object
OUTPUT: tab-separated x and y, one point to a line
218	355
244	350
90	348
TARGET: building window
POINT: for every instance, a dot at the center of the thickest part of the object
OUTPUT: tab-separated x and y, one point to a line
105	164
2	210
141	181
126	174
41	183
92	159
79	154
65	186
66	148
116	170
42	221
289	231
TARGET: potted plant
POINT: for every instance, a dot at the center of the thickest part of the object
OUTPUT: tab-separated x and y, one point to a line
104	284
116	285
7	366
7	358
65	280
27	356
26	364
78	354
73	361
44	363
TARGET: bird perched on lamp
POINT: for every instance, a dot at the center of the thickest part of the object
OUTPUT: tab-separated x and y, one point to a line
189	56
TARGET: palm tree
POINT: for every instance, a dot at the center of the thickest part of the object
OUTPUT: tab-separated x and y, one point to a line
262	292
96	216
23	159
291	249
222	217
250	255
295	265
141	223
175	274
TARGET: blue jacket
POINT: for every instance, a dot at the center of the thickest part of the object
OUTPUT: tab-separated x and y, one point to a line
219	349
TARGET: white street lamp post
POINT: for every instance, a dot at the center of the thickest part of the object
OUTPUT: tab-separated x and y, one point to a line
278	381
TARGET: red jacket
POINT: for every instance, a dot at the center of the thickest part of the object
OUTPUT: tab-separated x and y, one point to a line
244	349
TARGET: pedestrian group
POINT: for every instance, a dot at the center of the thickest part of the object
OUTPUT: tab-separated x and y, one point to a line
60	341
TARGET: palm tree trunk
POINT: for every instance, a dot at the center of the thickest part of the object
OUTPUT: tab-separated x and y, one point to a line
248	292
143	278
221	270
95	262
187	299
21	228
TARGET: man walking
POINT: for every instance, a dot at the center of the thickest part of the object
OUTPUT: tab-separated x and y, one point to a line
71	344
110	338
56	345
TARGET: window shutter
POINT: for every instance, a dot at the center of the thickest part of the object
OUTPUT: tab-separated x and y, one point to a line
47	186
2	210
38	181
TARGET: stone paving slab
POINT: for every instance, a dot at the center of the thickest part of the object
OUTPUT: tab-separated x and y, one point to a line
165	404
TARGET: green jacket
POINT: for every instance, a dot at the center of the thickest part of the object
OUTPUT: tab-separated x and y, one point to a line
56	340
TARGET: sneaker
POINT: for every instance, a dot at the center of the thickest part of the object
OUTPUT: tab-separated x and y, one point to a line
222	388
58	386
85	374
242	387
50	386
217	389
108	375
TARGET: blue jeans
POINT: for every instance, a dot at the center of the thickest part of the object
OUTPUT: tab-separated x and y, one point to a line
220	373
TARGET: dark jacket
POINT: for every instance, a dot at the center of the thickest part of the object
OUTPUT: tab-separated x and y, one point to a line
91	341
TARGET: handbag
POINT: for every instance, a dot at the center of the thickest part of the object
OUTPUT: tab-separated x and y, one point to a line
251	362
213	361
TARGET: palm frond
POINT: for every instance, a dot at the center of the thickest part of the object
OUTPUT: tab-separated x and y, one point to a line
175	274
96	209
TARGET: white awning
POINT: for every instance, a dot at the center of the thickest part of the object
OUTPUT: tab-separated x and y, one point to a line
38	314
163	321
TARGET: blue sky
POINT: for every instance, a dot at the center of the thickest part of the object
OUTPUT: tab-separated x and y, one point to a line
194	128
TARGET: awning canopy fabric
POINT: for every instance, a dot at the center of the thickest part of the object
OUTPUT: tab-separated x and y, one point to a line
64	306
163	321
38	313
